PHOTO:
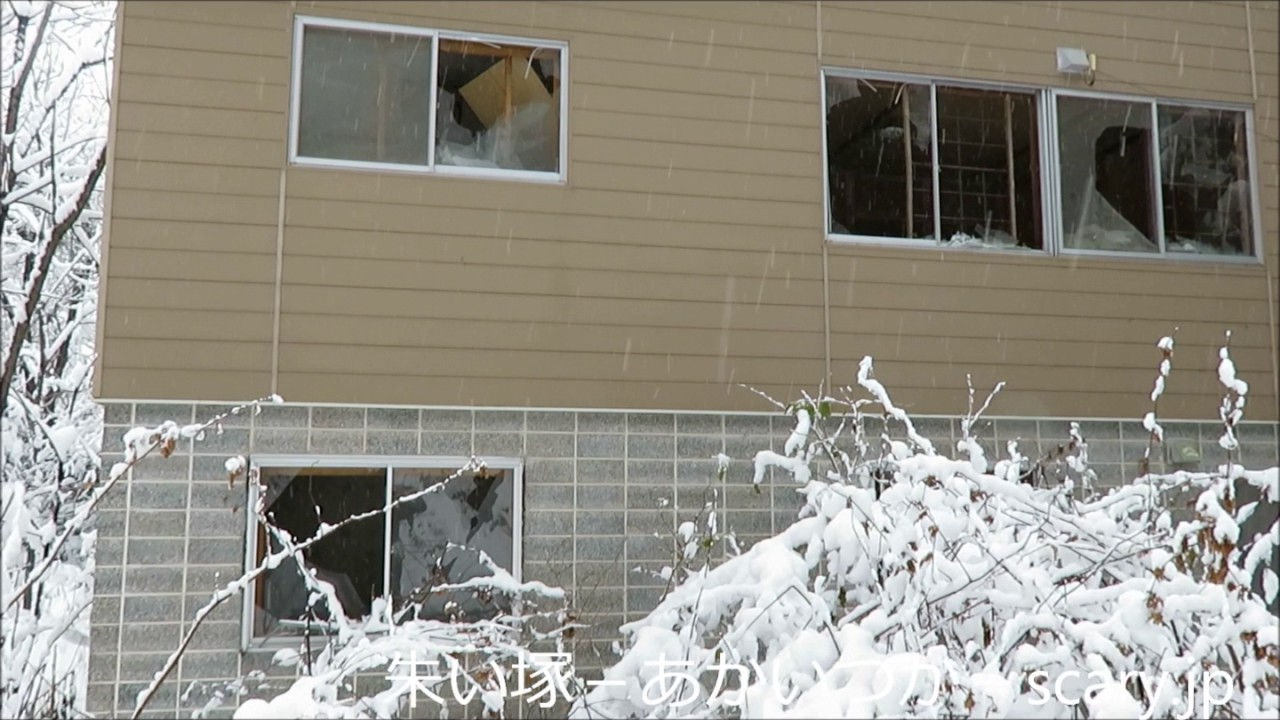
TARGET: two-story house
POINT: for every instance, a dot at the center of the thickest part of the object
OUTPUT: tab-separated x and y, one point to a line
569	236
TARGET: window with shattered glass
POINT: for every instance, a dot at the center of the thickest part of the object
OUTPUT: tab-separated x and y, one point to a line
955	166
498	106
374	95
394	567
1150	177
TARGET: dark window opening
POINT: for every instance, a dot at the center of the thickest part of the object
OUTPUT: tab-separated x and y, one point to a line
879	158
498	106
434	540
881	138
1204	170
988	168
351	559
1108	193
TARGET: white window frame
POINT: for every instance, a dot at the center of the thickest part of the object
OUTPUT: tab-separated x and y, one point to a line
301	22
1050	171
392	463
1254	257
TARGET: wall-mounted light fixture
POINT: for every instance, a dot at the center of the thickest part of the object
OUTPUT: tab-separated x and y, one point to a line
1074	61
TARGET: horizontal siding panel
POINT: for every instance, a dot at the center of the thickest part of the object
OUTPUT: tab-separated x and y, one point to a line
218	266
882	27
408	195
196	236
369	215
189	294
198	324
1169	279
380	303
587	228
588	48
196	178
697	157
1049	302
199	93
399	275
238	13
183	63
999	326
559	20
269	37
221	386
197	207
698	183
635	73
236	124
674	103
188	354
868	274
1064	19
554	365
523	391
546	336
684	131
542	253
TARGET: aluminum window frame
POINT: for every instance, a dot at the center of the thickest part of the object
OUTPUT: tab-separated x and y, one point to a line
1252	258
932	83
301	22
391	463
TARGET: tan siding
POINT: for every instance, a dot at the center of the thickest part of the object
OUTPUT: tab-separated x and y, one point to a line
684	254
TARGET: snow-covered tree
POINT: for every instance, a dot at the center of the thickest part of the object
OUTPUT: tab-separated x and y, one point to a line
54	82
917	585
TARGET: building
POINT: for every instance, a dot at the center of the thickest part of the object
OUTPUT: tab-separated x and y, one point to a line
565	236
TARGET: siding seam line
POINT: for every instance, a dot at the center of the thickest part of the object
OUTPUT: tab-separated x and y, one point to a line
275	308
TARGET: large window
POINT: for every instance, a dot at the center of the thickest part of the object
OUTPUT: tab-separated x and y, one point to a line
378	96
1143	176
923	161
402	558
929	163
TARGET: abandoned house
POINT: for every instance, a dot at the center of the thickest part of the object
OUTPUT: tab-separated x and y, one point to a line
572	238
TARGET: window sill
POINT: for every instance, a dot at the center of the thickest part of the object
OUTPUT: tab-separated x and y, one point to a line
931	245
475	173
1101	257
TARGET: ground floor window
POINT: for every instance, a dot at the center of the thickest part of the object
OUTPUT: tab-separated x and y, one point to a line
394	563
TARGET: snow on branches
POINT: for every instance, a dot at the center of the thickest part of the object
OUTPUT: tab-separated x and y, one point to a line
954	592
53	124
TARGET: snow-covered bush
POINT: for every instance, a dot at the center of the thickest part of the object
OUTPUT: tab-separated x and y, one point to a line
53	121
916	585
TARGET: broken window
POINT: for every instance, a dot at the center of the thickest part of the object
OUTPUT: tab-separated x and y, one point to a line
982	189
879	158
1204	176
1119	195
498	106
404	560
988	168
373	95
1108	185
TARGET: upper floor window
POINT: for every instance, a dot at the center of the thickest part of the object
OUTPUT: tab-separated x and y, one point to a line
1151	177
379	96
924	162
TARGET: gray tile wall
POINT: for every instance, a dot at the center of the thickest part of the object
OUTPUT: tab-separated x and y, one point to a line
603	491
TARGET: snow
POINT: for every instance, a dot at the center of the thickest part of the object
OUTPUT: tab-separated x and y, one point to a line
944	594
